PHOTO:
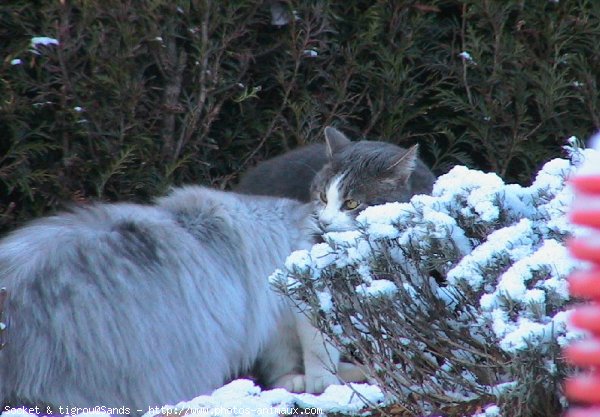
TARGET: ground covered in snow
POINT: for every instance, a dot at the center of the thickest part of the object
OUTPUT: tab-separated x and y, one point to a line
243	398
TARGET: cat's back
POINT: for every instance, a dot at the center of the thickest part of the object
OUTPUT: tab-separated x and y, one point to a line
286	175
49	240
125	304
209	223
194	232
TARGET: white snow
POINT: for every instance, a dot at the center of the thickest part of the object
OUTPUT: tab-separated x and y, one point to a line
243	398
325	301
513	283
510	242
347	399
342	238
38	41
460	179
489	411
383	231
517	337
466	56
43	40
535	296
383	214
482	200
377	287
322	255
299	259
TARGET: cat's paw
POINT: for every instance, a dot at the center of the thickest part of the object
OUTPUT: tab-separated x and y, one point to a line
318	382
312	384
291	383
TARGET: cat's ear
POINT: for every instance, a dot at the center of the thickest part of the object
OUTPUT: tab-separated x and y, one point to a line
401	169
334	140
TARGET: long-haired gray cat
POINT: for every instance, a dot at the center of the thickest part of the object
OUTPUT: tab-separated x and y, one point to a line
138	306
342	177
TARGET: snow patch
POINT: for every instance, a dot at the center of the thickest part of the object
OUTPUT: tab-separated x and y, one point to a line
43	41
243	397
378	287
465	56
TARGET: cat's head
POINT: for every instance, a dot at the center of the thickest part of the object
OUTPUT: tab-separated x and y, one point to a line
359	175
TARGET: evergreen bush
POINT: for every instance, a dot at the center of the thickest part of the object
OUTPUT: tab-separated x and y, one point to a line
135	96
451	299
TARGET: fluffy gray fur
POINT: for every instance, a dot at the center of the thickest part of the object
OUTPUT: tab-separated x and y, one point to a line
138	306
287	175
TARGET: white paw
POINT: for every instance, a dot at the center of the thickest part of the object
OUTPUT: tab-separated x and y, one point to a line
316	383
291	383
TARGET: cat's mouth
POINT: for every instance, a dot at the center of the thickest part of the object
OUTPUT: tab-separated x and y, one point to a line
323	227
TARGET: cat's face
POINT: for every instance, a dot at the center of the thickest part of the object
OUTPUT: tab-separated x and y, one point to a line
359	175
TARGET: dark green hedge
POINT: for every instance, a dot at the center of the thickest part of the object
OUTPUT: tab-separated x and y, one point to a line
141	95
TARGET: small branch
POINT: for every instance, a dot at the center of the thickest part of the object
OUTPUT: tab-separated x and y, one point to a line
172	66
463	30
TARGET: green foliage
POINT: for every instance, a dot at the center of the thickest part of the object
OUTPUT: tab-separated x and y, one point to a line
141	95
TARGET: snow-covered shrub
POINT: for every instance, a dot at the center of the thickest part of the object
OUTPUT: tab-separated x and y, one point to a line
451	298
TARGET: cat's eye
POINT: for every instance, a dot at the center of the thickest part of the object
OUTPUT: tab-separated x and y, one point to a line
351	204
323	197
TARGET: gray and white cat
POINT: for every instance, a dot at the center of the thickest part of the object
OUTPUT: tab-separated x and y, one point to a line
139	306
341	177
